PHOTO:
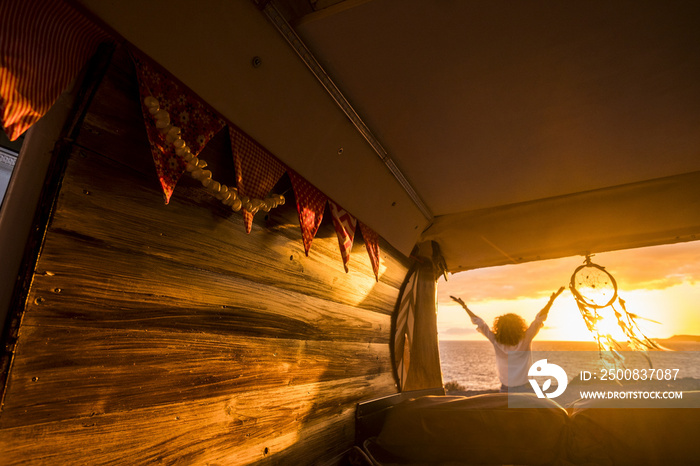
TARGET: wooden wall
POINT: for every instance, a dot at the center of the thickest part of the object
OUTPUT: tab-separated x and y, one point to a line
157	333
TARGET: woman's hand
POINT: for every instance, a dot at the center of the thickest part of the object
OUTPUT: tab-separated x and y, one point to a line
556	294
458	301
461	303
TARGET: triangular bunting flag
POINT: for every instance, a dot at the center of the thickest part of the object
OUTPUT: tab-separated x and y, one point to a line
43	46
197	122
372	244
345	225
257	171
310	204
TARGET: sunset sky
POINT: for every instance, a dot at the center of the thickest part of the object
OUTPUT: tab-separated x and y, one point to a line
660	283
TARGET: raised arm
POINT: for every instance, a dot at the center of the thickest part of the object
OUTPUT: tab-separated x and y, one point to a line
481	326
461	303
545	310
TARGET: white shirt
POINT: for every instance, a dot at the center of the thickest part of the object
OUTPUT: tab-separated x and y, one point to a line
520	356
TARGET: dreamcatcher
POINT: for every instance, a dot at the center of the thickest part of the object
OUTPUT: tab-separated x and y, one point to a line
595	290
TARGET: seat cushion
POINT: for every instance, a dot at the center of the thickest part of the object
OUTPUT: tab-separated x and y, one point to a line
603	432
476	430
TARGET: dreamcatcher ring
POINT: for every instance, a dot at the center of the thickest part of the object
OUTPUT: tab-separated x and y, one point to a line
593	286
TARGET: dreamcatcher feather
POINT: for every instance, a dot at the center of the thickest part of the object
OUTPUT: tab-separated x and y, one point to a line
595	289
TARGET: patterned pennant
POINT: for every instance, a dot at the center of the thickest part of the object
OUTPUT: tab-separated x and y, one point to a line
345	225
43	46
310	204
372	244
198	123
257	171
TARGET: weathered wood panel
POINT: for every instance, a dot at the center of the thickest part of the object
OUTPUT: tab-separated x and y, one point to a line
220	430
116	209
157	333
104	371
143	291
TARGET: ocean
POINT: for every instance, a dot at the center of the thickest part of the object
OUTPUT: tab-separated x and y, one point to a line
472	364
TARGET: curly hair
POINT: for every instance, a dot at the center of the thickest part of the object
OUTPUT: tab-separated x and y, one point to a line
509	329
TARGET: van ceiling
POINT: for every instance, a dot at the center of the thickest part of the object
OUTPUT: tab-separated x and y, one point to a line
497	113
498	102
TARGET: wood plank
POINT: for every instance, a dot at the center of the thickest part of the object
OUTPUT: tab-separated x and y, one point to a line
120	212
62	373
287	425
147	292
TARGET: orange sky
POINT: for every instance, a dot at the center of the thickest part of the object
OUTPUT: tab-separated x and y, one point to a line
660	283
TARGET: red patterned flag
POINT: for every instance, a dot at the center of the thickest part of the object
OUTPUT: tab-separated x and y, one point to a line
372	244
43	46
257	171
198	123
345	225
310	204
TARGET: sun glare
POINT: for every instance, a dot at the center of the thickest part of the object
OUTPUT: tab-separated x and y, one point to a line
609	325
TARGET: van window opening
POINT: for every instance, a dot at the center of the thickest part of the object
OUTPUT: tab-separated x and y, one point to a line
9	151
658	283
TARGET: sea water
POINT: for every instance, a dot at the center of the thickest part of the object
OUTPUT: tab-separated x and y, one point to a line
472	364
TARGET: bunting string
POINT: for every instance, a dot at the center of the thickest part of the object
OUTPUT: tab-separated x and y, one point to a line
197	167
43	46
257	171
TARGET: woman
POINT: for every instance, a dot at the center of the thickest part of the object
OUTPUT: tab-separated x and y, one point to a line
511	339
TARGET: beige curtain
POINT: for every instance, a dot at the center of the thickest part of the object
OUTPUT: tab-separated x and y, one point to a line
416	353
